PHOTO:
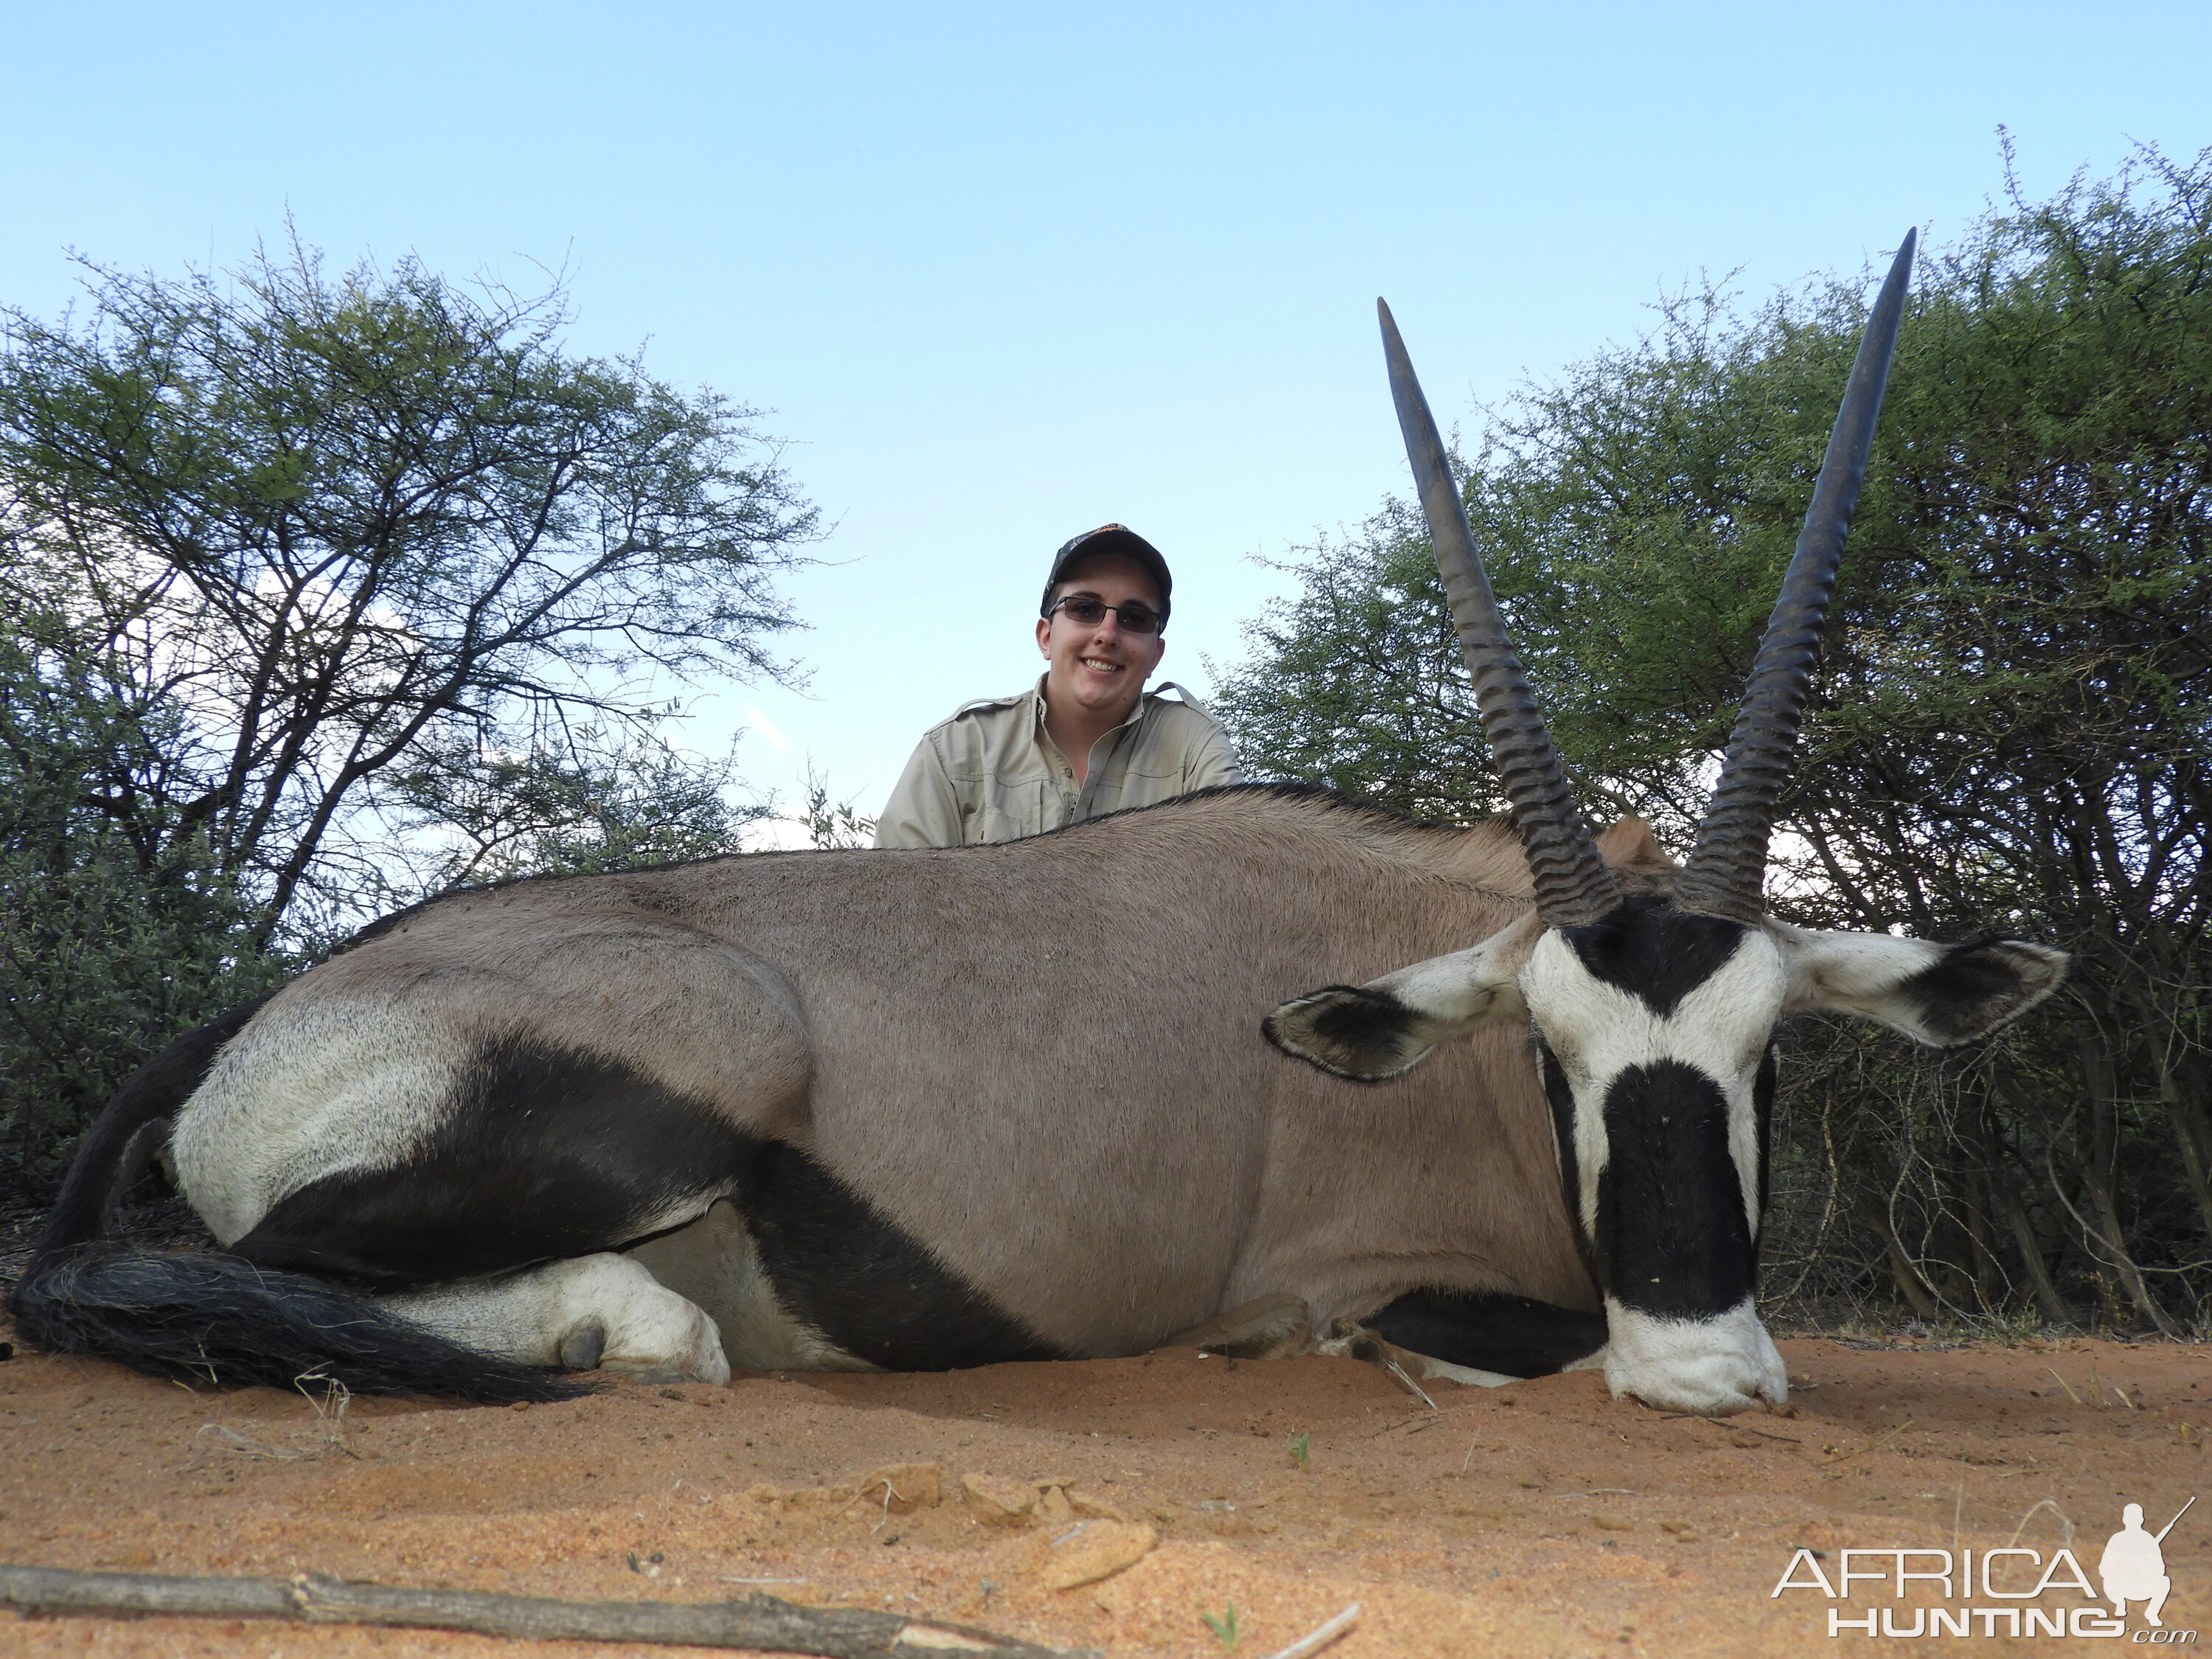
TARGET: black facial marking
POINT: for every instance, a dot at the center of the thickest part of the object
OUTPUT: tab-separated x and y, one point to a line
1974	988
1562	1100
1348	1030
551	1155
1762	1101
1672	1238
1512	1335
1654	952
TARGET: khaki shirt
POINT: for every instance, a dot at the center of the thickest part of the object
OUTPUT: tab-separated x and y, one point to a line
990	774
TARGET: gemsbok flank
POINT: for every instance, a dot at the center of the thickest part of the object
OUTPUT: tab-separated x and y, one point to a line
935	1109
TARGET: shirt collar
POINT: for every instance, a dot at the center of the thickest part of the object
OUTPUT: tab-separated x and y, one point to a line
1037	709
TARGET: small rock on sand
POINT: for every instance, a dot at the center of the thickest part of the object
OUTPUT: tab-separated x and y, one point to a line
909	1486
1091	1506
998	1502
1089	1552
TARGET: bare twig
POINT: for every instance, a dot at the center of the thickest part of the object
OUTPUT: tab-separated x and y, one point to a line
1871	1446
1315	1640
1764	1434
2065	1520
760	1622
1733	1428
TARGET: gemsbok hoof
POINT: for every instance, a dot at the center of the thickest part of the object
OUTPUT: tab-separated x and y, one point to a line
581	1348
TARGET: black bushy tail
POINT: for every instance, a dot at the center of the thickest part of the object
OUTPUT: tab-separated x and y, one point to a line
209	1317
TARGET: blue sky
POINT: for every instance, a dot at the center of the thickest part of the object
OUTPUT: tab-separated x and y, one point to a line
1004	272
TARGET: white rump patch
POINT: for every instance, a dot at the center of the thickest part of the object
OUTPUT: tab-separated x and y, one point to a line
303	1092
1714	1367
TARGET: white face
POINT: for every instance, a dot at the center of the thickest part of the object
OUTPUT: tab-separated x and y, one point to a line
1101	668
1599	1034
1656	1031
1661	1084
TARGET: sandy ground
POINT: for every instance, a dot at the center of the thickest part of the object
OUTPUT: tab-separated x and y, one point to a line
1539	1519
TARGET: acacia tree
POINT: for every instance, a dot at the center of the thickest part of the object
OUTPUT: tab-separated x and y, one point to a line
2007	733
336	589
345	526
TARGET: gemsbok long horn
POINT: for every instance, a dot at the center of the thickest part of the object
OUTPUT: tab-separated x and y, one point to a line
1573	886
1727	867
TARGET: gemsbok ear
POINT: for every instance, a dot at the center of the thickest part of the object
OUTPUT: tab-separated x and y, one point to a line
1938	994
1388	1026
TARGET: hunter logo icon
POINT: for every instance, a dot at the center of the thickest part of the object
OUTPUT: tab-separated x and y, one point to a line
2011	1590
2133	1566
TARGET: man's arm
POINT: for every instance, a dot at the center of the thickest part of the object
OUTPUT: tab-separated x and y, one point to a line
922	811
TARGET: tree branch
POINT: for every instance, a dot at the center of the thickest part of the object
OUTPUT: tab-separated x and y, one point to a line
761	1622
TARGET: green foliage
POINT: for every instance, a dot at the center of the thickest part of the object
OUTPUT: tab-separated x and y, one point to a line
1224	1627
601	802
360	530
833	825
1302	1450
338	590
105	954
2008	733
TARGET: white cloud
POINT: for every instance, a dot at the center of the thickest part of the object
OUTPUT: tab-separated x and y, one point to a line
761	724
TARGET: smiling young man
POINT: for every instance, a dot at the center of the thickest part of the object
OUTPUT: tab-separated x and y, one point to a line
1087	739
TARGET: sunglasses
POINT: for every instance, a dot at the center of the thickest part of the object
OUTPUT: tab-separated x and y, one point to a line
1087	612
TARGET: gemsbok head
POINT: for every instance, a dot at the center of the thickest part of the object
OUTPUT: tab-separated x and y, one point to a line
1654	1005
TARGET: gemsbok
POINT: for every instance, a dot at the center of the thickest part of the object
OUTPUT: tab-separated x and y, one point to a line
938	1109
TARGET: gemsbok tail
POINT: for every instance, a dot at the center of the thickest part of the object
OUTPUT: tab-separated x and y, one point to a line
209	1316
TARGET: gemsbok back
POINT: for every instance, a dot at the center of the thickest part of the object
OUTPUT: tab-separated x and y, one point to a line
938	1109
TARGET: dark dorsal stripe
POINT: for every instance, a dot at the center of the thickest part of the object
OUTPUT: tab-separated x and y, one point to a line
551	1154
1673	1239
1654	952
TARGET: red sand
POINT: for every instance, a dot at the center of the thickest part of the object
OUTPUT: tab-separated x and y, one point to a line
1539	1519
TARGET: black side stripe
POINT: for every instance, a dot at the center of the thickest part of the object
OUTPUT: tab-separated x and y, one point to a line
552	1154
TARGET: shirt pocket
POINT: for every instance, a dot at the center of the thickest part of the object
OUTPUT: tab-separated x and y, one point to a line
1150	779
1009	811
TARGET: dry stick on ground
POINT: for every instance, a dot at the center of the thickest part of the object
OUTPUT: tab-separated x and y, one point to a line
1733	1428
1313	1641
1872	1445
761	1622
